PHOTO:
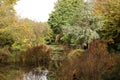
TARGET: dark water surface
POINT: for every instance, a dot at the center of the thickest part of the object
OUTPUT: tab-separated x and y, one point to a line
17	72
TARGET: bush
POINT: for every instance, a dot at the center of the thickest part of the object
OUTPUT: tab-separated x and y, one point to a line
114	73
4	54
98	47
90	65
38	55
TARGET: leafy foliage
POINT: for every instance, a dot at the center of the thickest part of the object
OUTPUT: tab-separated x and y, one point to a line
76	20
77	35
7	13
64	10
6	39
109	9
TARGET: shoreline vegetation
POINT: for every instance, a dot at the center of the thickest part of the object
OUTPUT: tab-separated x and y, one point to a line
59	62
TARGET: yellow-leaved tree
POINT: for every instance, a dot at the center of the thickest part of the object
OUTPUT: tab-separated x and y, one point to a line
110	11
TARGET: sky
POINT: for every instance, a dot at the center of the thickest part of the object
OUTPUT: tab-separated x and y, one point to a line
37	10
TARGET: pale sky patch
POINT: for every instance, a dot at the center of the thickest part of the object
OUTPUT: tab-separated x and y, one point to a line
37	10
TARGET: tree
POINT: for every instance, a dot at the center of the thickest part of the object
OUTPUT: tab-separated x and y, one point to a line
28	33
76	19
77	35
6	39
42	33
7	13
109	9
64	10
7	19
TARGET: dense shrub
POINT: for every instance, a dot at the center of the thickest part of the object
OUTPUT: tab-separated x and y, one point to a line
114	73
98	47
4	54
38	55
90	65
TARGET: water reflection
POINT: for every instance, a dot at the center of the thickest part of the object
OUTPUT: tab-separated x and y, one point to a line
36	74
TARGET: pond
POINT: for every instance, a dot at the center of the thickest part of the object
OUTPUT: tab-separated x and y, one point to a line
36	74
15	72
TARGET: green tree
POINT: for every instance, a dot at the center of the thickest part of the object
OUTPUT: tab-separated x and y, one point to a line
77	35
76	19
64	10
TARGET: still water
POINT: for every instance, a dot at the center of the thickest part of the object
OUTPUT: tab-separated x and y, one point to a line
36	74
12	72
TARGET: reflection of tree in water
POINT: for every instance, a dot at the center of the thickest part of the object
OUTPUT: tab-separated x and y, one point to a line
36	74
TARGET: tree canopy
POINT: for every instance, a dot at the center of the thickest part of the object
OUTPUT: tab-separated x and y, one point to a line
110	10
75	13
